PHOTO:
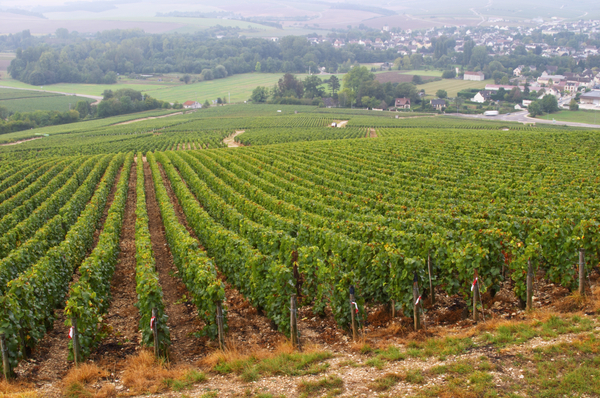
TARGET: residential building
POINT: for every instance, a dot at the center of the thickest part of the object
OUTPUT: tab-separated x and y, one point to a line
482	96
402	103
192	105
438	104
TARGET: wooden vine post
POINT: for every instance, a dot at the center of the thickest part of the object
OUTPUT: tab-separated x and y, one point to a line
430	280
581	272
75	338
416	302
353	307
5	360
220	326
294	322
529	286
475	289
154	327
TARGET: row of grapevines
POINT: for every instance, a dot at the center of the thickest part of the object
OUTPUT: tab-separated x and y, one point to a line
20	233
31	194
51	230
22	178
30	300
309	246
264	280
89	297
22	212
196	269
267	136
149	292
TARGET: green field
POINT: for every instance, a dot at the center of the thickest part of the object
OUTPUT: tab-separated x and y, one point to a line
452	86
581	116
171	89
29	101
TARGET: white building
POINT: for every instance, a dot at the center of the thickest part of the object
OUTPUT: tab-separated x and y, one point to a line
192	105
477	76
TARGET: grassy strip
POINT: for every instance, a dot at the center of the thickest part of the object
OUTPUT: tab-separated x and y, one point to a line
287	363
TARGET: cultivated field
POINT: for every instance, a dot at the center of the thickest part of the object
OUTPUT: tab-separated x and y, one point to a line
158	237
29	101
452	86
396	77
581	116
171	89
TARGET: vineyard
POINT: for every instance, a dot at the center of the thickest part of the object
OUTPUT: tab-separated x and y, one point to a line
303	212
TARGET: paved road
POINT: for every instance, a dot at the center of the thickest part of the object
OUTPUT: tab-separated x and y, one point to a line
521	117
94	97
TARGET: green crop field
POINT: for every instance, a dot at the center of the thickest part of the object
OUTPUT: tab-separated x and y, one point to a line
452	86
171	89
29	101
581	116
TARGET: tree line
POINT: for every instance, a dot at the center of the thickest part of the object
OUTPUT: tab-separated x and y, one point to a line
360	89
75	59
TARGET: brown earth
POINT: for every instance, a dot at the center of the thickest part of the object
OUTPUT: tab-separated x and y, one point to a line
231	142
182	315
122	319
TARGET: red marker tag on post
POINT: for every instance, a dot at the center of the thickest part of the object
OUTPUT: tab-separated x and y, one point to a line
152	321
418	300
473	285
71	331
355	306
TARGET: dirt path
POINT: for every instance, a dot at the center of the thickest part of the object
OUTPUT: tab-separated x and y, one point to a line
230	141
148	118
21	141
123	317
183	318
342	123
372	133
49	361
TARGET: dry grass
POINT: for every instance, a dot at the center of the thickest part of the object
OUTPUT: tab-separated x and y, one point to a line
143	373
107	391
16	389
86	373
572	303
234	353
75	382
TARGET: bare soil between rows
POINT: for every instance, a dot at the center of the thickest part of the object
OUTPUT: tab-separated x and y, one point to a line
183	320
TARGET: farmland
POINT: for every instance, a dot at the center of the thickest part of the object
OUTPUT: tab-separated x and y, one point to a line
452	86
155	231
29	101
171	89
581	116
